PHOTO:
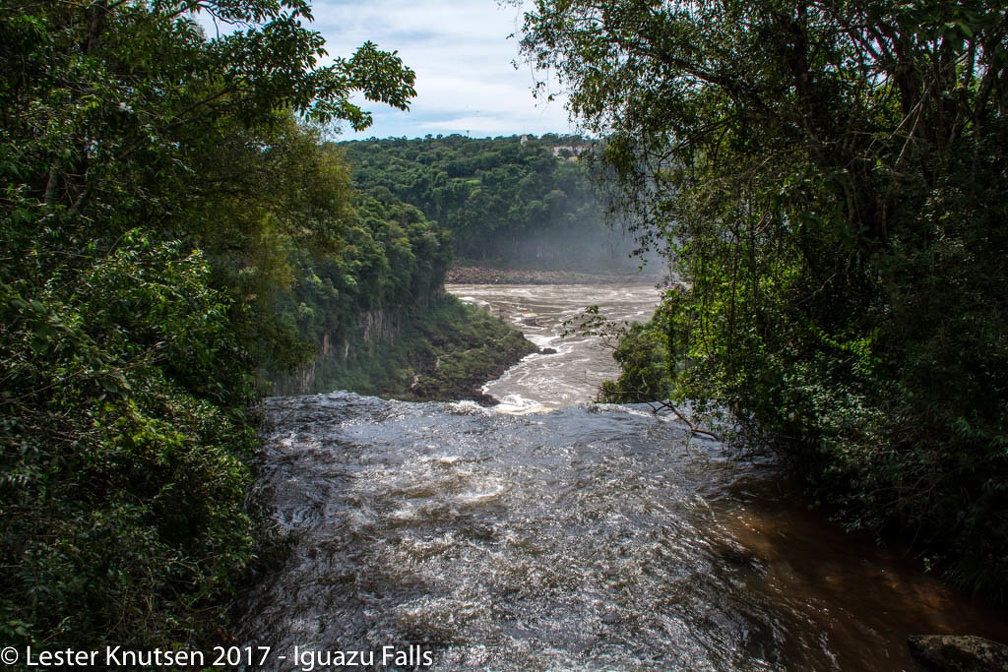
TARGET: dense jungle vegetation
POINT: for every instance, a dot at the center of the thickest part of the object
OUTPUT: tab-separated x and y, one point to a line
175	233
829	180
520	201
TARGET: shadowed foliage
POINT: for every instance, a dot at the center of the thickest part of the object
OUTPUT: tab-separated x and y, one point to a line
827	178
156	182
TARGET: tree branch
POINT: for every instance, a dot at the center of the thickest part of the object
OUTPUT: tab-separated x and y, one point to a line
658	407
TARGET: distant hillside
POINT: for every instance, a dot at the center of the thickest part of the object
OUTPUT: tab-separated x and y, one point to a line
517	201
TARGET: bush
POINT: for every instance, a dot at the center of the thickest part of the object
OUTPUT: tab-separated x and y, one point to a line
122	479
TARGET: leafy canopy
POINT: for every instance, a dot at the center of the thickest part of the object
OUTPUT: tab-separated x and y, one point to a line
827	177
154	181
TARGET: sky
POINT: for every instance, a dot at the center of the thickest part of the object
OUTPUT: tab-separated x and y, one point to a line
466	82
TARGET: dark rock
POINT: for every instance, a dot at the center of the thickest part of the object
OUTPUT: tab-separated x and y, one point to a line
547	351
958	653
484	399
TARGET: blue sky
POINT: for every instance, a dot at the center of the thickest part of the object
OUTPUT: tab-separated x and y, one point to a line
466	80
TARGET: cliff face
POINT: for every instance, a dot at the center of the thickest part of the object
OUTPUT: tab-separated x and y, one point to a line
445	351
370	328
380	325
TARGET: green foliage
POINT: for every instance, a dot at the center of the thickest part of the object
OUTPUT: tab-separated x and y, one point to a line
377	310
158	186
122	484
444	352
515	200
391	259
827	180
646	372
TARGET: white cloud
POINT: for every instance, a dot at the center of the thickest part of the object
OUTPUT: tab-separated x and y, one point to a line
466	82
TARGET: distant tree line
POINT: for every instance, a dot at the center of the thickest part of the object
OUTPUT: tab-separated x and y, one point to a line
520	200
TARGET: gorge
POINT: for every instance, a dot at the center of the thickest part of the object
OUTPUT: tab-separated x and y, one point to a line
553	533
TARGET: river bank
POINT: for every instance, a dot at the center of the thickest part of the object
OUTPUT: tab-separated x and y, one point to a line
487	275
443	353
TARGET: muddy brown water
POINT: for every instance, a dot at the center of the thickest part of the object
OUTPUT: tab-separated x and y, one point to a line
551	533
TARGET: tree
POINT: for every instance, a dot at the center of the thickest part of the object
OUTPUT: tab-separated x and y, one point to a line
824	177
141	242
506	200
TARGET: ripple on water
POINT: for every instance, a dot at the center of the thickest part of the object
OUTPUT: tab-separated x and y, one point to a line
590	538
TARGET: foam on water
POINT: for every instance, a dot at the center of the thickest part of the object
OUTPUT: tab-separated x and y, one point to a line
550	533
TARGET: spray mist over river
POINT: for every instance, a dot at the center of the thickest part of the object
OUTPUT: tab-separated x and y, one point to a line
568	536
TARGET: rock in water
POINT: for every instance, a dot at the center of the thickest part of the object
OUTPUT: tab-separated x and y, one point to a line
959	653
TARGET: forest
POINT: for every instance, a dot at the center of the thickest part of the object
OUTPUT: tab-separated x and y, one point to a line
179	238
519	201
828	181
181	234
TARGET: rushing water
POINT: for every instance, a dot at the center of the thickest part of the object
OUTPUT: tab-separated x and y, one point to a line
578	538
575	365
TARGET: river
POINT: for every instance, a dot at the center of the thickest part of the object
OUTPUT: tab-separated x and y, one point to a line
550	533
575	366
